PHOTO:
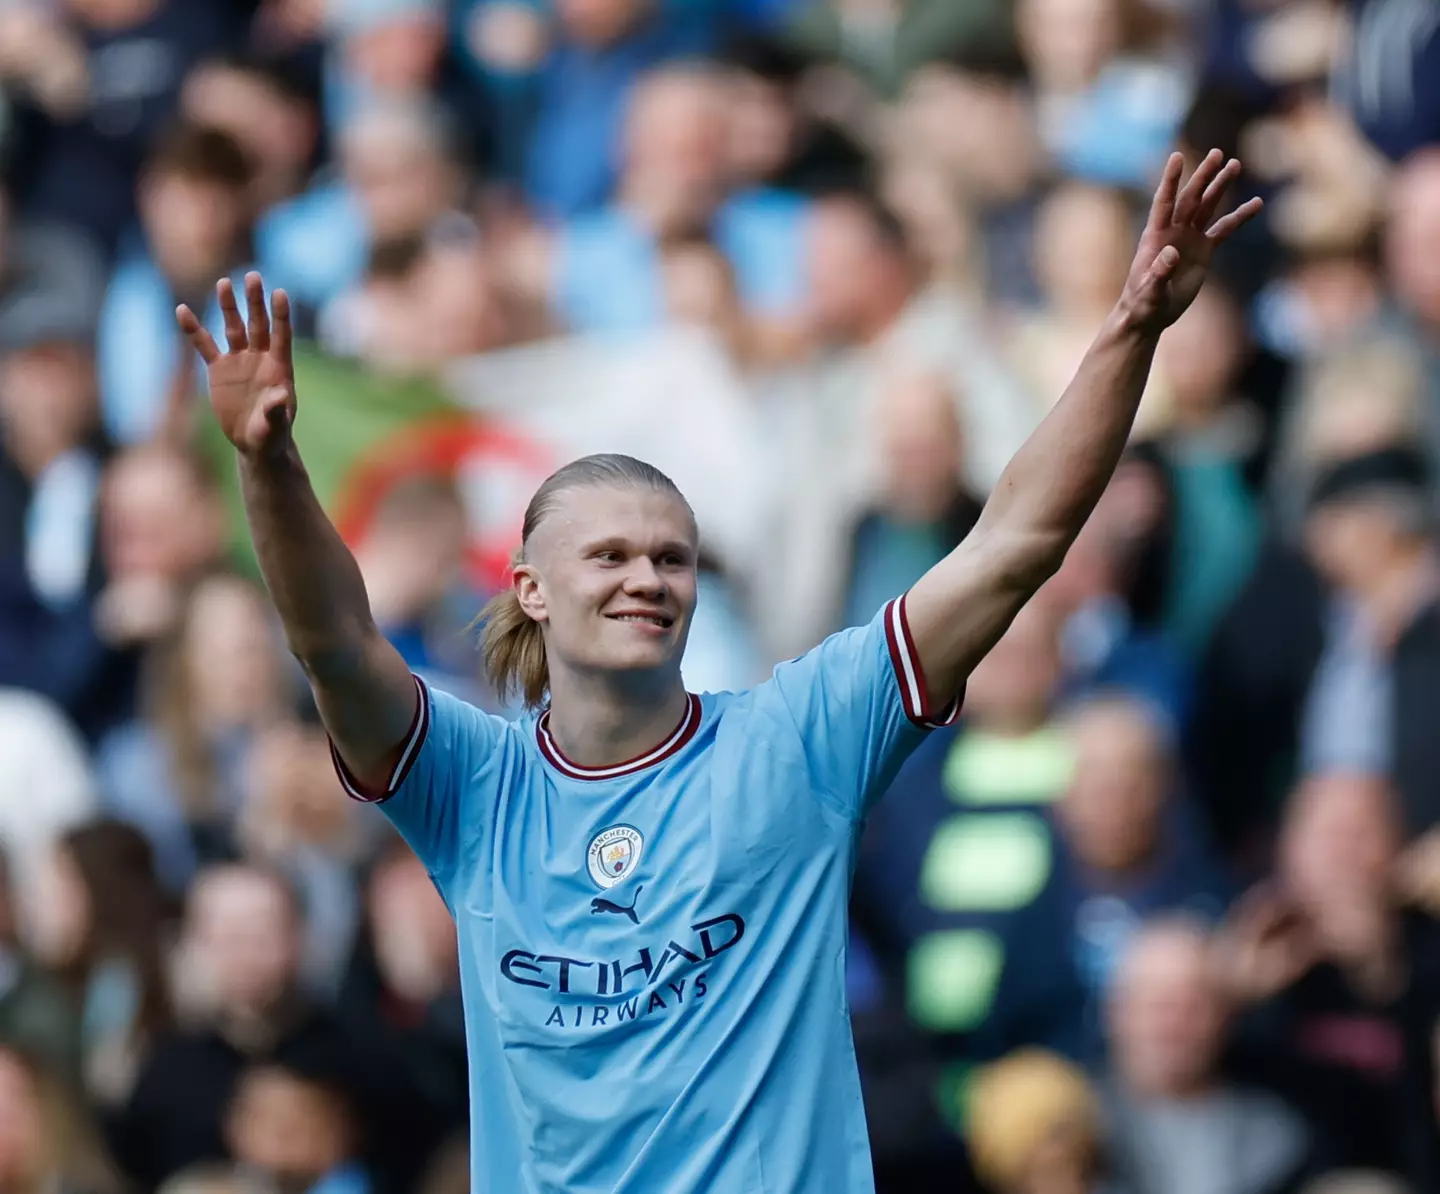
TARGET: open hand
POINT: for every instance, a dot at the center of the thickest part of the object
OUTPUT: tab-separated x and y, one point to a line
1179	240
252	387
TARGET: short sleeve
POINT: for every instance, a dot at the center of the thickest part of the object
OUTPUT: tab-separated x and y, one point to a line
859	703
448	744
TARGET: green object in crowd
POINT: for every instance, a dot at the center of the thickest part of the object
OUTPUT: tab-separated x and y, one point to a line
345	414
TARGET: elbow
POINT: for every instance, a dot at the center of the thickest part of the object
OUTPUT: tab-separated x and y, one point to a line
333	658
1023	561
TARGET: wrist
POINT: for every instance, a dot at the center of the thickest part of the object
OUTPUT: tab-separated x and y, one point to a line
1124	323
273	462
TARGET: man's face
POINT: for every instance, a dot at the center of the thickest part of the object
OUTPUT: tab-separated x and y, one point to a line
403	186
845	260
1111	809
156	520
1167	1018
244	935
191	224
611	577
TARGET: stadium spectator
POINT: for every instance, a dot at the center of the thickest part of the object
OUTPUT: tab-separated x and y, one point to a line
1036	1126
195	219
1339	981
103	924
1175	1124
178	771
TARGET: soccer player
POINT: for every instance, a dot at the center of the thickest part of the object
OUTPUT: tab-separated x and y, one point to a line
650	885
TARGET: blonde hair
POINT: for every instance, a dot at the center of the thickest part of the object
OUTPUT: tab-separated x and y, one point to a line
1017	1103
512	643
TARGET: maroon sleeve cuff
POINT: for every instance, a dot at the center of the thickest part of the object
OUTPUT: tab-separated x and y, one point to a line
911	676
414	739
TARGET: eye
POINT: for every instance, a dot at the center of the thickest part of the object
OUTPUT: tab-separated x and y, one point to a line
608	556
673	559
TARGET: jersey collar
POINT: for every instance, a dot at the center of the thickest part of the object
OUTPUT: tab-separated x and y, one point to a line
689	723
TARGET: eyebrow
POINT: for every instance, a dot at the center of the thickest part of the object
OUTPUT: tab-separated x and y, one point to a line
619	542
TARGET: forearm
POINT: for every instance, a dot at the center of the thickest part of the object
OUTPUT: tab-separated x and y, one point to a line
313	579
1052	484
961	607
362	686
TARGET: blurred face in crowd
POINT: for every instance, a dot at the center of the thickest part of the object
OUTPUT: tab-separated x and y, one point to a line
278	131
1337	851
414	552
47	401
192	225
232	654
1412	249
399	55
675	148
1084	243
157	518
399	170
1200	356
936	222
243	935
1111	810
979	131
1354	540
921	444
1167	1017
611	576
23	1145
762	128
455	288
411	929
59	910
858	280
1010	690
293	794
292	1129
599	23
1066	42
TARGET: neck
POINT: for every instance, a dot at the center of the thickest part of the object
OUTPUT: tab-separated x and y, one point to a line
601	720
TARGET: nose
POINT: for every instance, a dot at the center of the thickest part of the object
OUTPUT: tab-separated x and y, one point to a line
642	580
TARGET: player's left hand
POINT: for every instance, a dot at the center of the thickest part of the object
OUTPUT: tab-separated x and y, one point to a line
1179	239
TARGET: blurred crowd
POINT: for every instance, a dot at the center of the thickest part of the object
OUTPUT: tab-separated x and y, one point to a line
1158	917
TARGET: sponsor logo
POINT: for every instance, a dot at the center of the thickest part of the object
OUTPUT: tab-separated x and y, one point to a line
651	980
614	854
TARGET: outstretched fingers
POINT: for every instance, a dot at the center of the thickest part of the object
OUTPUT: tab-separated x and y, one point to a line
1210	200
280	327
1191	195
1162	207
1227	224
234	325
200	340
259	321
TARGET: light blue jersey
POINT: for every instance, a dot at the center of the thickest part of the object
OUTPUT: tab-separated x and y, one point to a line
653	954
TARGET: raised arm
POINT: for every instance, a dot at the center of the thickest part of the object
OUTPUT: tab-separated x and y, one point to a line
362	686
961	607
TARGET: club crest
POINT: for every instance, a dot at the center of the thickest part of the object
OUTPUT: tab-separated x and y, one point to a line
614	854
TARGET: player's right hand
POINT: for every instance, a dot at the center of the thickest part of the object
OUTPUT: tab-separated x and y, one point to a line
252	386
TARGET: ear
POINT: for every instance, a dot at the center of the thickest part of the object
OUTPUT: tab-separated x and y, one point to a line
528	591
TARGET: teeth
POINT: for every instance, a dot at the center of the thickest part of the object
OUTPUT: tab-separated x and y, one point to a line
640	618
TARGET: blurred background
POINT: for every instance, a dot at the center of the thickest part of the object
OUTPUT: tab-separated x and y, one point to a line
1157	918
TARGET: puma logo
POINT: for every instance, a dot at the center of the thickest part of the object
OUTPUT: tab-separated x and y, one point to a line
601	904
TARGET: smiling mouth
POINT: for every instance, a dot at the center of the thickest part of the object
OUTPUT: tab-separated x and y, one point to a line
663	621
